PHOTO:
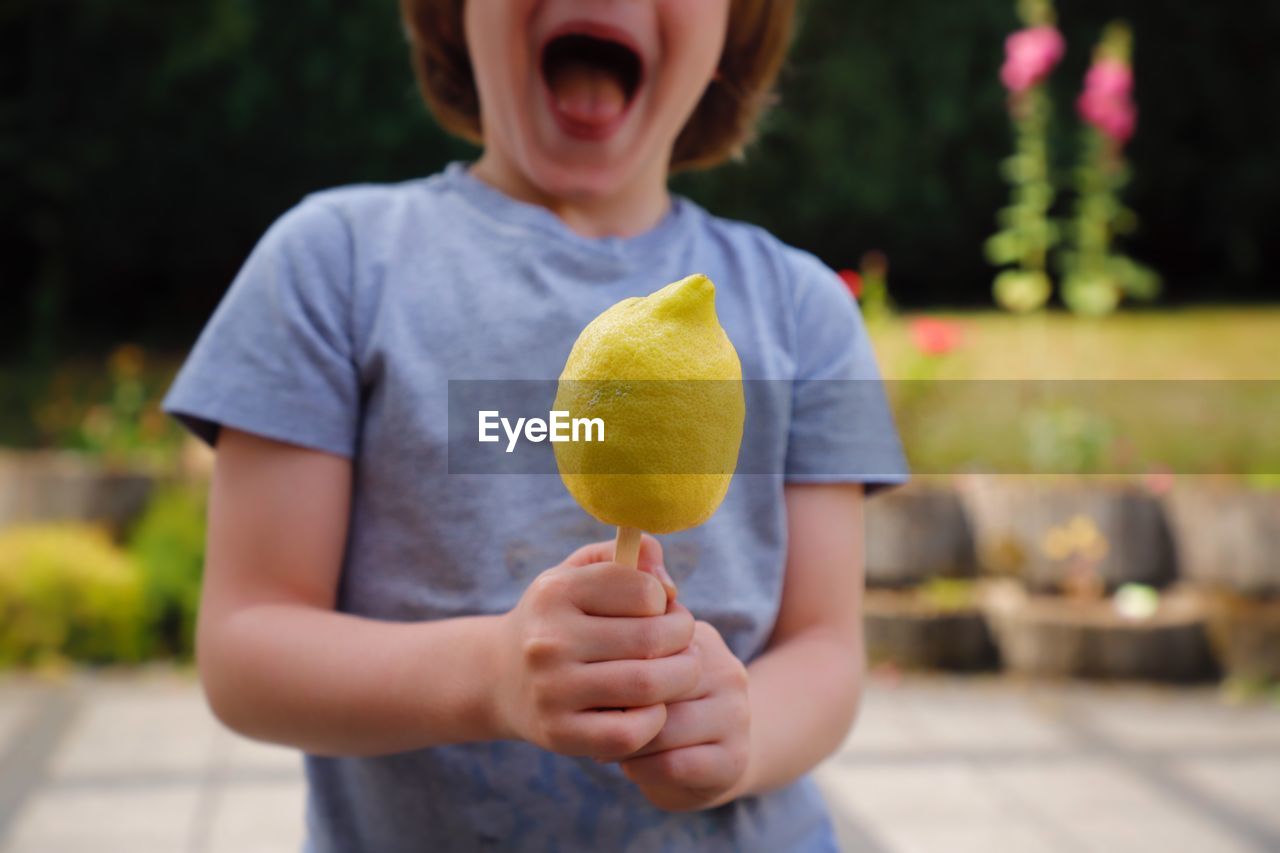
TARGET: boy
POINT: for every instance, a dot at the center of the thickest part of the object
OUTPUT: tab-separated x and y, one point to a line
457	682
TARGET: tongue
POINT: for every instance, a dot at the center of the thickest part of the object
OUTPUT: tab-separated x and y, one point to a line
587	93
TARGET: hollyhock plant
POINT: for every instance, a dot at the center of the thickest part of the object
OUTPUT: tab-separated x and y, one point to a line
1021	246
1097	278
1106	101
1030	54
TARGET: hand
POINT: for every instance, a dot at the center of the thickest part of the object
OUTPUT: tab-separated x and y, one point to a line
591	654
700	758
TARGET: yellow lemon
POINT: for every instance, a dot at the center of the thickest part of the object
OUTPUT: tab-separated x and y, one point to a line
665	380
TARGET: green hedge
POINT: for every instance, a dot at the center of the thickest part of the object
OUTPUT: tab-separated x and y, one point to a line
168	545
67	592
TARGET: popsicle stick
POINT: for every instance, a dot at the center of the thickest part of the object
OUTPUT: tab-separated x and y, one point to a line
626	549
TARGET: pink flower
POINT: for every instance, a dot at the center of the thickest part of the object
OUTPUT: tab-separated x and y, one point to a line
1105	102
853	280
1030	55
936	337
1109	78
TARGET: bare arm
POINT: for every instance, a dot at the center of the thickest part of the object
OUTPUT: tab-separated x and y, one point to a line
804	689
279	664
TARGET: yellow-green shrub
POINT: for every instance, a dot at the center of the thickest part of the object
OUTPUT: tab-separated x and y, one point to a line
67	592
168	544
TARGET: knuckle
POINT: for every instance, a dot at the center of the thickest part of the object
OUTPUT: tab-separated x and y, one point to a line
540	652
557	734
649	639
678	764
685	622
689	673
545	699
625	738
645	685
736	675
550	586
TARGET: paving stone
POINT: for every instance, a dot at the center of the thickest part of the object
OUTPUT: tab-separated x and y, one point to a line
1165	834
1249	783
1100	804
997	726
933	764
258	818
254	758
1167	721
882	726
137	820
150	731
14	706
968	837
926	793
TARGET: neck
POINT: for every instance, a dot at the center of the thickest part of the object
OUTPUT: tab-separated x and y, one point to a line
631	211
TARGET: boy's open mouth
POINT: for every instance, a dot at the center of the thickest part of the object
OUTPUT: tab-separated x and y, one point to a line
591	78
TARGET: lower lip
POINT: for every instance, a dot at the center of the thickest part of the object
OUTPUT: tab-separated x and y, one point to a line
584	131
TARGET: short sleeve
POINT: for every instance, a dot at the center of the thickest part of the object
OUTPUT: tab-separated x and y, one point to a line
276	359
841	427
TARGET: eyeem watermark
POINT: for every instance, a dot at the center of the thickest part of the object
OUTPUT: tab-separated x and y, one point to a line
558	427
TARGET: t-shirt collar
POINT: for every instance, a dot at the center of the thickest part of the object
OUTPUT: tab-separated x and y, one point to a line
508	211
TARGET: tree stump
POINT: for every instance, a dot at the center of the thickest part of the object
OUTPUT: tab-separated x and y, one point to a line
1228	537
904	629
917	533
1042	530
1058	637
1246	635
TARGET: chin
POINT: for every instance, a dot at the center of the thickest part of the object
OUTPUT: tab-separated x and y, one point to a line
573	179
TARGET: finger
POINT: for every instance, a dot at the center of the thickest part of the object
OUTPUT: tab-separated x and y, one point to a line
632	684
596	552
651	562
606	638
609	734
706	766
690	723
609	589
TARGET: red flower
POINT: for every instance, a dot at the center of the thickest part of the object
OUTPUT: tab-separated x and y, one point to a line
853	280
936	337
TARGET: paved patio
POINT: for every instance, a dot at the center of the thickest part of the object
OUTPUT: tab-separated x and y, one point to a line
137	764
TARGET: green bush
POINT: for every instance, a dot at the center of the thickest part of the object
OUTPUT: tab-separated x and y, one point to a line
67	592
168	544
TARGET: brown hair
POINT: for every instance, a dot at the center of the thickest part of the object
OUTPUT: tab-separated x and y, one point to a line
722	124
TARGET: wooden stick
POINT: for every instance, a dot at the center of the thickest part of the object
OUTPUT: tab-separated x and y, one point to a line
626	549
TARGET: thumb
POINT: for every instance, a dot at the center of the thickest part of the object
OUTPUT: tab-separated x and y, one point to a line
651	562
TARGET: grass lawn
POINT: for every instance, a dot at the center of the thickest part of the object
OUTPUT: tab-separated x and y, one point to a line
1217	426
1038	399
1192	343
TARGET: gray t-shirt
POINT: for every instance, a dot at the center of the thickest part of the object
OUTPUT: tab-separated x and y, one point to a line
342	332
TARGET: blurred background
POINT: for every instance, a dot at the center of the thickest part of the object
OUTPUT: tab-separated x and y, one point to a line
1073	614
